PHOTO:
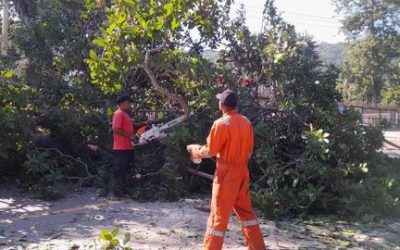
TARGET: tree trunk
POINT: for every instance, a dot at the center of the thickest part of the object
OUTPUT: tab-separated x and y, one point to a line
26	9
5	25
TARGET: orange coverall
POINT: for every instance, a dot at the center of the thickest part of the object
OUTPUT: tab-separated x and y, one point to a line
231	141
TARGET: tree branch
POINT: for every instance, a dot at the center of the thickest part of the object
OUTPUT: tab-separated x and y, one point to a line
157	87
80	179
200	173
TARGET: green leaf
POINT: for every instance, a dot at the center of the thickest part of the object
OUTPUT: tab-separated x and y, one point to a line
279	57
92	54
127	238
115	242
113	68
174	24
100	42
169	7
115	232
159	24
111	27
121	18
142	22
90	4
118	86
106	235
8	73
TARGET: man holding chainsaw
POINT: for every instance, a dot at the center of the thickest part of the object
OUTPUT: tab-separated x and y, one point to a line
231	141
123	129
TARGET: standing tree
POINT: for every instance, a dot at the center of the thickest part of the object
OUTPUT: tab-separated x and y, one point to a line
370	17
374	28
369	65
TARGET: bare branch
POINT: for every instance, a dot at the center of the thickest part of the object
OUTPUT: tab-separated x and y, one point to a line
80	179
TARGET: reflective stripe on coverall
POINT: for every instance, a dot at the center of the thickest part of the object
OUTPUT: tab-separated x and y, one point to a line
231	141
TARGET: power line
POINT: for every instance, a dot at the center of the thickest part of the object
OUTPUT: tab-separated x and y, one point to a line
326	22
334	25
311	19
307	20
318	25
327	19
304	22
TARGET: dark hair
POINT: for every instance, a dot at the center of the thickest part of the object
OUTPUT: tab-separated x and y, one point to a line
122	99
228	98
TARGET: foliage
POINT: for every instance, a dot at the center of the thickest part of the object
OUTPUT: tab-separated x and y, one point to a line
13	123
50	104
111	241
371	62
333	169
50	172
369	65
308	159
133	27
378	18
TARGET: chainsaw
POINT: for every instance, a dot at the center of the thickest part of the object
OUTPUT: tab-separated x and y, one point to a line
155	132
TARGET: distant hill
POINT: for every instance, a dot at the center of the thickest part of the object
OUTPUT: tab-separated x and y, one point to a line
331	53
328	52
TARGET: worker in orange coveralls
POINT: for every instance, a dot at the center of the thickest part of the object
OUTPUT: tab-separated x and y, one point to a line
231	141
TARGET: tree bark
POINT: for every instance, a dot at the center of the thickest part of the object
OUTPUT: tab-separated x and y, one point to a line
5	26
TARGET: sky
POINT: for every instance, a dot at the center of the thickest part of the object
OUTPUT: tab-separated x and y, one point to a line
313	17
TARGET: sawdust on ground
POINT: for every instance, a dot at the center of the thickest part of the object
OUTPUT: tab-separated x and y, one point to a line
75	222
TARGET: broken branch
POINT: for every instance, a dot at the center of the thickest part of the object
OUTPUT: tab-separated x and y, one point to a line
200	173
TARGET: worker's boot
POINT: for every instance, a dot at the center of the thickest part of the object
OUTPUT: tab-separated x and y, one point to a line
102	192
117	188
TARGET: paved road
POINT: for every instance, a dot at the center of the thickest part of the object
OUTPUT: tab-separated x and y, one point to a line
394	137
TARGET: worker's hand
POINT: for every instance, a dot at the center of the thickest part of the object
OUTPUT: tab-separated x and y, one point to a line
145	124
133	137
192	147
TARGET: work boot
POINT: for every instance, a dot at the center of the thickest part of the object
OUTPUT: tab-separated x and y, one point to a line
102	192
117	187
113	197
118	196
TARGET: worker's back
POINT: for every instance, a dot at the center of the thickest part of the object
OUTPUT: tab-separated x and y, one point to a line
239	139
